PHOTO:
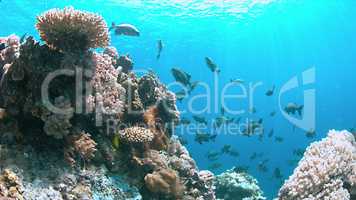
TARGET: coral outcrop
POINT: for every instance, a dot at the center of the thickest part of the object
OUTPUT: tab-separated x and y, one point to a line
53	95
235	185
72	30
327	170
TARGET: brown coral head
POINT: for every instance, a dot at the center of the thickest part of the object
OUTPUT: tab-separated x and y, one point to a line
72	30
166	182
136	134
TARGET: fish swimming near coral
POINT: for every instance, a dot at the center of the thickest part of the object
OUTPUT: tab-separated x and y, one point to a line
293	108
298	152
201	137
310	133
125	29
277	173
200	119
2	46
213	155
270	91
159	48
184	121
211	65
279	139
262	166
180	95
271	132
23	38
226	149
237	81
116	141
181	76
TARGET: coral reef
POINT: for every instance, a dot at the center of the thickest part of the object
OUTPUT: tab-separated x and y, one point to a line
53	95
327	170
10	185
72	30
234	185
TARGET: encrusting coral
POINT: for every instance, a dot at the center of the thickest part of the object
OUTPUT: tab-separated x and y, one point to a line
327	170
165	181
72	30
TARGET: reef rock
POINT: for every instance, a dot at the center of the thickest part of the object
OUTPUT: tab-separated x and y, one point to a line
327	170
234	185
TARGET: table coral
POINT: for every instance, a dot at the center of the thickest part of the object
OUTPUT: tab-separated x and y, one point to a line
72	30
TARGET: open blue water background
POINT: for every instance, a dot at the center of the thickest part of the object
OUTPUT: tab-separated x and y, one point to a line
256	40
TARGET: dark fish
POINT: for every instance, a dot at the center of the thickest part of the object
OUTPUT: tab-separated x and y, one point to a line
181	76
212	66
200	119
271	132
23	38
253	127
277	173
222	110
311	133
159	48
201	137
298	152
226	149
252	110
2	46
193	85
184	121
293	108
125	29
181	95
270	91
240	169
253	156
219	121
272	114
262	166
279	139
237	81
213	155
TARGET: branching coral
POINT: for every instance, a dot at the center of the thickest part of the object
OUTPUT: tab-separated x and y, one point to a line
72	30
108	98
324	171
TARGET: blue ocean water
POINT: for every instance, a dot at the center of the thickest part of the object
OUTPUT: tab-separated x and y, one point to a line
267	41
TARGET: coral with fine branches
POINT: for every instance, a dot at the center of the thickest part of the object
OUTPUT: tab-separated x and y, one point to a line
72	30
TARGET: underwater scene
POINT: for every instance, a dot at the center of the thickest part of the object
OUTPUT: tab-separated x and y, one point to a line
177	100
